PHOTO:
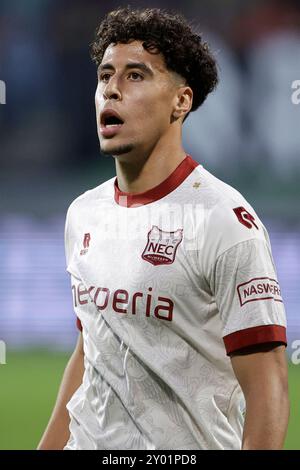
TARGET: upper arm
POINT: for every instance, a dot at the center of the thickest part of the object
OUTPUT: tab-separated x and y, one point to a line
261	367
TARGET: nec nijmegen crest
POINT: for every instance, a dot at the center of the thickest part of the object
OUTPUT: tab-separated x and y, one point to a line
162	246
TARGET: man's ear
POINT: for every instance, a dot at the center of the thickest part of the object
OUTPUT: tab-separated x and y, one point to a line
183	102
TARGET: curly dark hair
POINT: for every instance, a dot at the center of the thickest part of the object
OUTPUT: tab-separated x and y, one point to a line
183	50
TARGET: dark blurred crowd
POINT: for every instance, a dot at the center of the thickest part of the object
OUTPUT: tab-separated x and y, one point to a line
49	120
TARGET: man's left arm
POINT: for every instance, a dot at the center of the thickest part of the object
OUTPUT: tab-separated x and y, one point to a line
263	376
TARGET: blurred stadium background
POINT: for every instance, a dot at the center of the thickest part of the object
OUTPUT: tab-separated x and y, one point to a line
247	134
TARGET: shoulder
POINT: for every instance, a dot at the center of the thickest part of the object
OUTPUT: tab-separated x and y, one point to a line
91	197
228	217
214	192
82	212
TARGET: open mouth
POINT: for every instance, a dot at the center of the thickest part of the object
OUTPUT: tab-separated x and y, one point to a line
112	121
111	118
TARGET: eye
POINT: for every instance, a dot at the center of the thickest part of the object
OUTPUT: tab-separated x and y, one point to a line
104	77
136	76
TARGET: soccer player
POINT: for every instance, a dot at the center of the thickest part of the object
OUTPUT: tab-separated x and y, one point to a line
183	330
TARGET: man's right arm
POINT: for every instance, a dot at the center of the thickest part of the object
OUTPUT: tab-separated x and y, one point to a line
57	432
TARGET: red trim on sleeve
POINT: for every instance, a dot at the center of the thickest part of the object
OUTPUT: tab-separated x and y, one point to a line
255	335
183	170
78	324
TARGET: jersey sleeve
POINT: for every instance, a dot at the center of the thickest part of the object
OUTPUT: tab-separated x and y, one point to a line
78	324
69	239
243	280
69	249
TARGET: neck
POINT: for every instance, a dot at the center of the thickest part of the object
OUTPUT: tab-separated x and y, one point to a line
139	173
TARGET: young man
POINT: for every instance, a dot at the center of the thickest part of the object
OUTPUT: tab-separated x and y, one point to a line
174	286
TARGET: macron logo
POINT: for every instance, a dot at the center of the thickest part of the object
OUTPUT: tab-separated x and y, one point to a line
260	288
86	243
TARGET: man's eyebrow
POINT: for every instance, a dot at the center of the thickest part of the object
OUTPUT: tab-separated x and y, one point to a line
131	65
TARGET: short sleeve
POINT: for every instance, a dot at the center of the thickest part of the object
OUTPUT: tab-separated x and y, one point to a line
248	296
78	324
69	246
243	280
69	238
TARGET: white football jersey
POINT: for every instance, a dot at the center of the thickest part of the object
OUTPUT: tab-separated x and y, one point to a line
166	285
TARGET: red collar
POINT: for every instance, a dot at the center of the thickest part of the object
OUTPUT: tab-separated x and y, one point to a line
180	173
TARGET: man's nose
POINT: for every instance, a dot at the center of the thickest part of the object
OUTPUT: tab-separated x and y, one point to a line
112	90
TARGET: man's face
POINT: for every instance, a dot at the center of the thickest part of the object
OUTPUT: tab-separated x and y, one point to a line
138	87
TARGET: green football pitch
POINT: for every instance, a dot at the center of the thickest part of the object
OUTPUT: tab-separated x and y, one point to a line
28	386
